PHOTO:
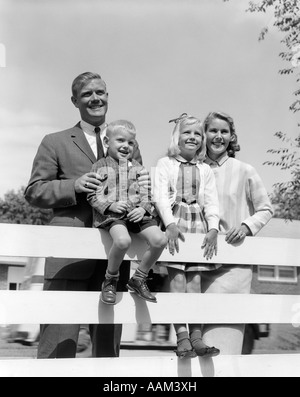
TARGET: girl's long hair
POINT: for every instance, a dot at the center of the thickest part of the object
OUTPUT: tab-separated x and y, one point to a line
180	122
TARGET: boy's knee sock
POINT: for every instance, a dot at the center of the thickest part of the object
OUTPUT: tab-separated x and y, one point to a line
110	276
140	274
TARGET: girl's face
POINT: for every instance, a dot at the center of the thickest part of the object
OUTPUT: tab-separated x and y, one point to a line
218	136
190	141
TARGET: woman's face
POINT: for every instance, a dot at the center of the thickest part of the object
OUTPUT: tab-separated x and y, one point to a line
190	140
218	136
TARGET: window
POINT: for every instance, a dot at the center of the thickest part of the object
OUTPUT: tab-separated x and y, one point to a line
280	274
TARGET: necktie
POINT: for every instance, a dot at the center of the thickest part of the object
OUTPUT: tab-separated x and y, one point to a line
100	152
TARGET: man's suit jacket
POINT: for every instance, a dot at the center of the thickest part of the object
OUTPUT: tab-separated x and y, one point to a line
63	157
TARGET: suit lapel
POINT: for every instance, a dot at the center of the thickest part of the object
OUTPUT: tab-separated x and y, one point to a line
78	137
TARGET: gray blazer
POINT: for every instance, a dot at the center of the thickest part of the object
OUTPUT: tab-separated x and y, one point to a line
63	157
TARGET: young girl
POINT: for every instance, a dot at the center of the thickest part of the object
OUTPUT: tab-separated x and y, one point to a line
187	201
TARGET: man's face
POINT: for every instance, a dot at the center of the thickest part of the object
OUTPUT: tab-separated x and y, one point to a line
120	145
92	102
218	136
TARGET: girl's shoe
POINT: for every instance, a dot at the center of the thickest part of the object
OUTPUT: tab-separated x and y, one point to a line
207	352
201	349
185	349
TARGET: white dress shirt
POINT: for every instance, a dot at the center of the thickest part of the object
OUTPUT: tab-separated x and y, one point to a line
90	135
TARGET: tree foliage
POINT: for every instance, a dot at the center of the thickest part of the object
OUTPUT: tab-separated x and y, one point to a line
286	196
15	209
286	19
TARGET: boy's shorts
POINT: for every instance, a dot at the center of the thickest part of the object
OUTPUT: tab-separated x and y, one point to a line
131	226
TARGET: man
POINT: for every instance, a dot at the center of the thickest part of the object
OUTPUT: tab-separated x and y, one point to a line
60	180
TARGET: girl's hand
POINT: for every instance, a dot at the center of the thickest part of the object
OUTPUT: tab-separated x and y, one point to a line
237	234
119	207
210	244
136	215
173	234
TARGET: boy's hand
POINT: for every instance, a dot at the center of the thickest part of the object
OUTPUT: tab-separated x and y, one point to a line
210	244
144	180
119	207
136	215
173	234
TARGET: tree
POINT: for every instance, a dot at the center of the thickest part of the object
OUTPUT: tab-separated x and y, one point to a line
15	209
286	196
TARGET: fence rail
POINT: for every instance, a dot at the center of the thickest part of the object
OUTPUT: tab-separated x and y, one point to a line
28	307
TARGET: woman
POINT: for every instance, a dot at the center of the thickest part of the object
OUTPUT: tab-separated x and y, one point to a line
244	209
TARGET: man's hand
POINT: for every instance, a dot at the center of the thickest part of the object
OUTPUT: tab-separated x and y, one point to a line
87	183
136	215
144	180
210	244
173	234
237	234
119	207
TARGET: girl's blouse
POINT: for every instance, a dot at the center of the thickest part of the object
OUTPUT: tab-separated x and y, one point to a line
166	180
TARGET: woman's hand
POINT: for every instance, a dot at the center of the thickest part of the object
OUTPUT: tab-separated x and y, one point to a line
237	234
136	215
173	234
210	244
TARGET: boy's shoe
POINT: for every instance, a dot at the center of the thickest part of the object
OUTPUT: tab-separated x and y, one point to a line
140	287
109	291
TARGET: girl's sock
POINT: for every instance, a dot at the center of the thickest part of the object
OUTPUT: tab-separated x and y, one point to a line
183	342
197	342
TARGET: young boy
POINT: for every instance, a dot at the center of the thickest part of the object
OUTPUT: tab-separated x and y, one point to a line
120	206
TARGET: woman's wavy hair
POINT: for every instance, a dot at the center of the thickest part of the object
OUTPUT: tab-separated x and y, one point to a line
180	122
233	146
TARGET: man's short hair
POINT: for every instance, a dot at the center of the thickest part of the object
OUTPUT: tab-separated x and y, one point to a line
82	79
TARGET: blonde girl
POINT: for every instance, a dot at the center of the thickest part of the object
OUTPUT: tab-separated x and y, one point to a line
186	198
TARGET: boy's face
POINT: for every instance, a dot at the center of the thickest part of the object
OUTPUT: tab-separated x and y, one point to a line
120	144
218	136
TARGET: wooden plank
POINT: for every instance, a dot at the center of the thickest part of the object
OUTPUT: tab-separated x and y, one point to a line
149	367
66	242
59	307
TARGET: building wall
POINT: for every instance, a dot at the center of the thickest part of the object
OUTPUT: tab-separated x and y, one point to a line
273	287
3	276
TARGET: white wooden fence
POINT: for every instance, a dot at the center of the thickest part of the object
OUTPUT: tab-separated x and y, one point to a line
39	307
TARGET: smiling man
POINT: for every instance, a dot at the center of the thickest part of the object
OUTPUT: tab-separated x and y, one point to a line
60	180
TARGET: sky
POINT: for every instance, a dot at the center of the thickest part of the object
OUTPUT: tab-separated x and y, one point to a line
159	58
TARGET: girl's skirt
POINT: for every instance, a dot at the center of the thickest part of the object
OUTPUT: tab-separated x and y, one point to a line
190	219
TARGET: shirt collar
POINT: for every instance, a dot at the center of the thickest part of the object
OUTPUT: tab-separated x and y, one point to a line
184	161
89	128
222	160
